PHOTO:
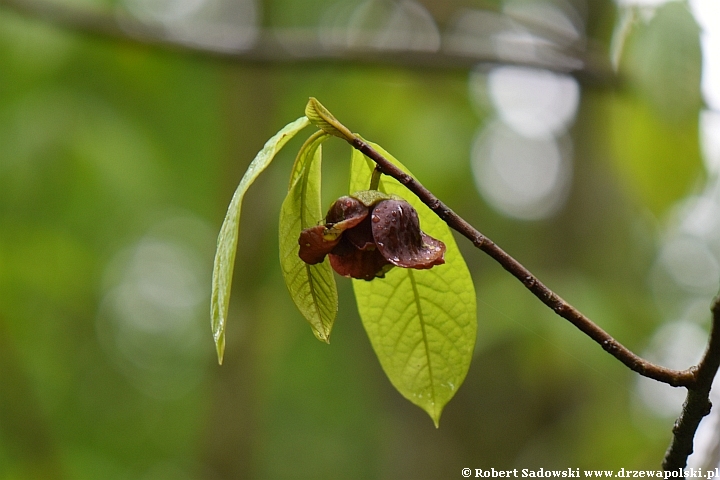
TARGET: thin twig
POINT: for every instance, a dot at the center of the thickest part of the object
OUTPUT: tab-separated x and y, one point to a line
697	404
676	378
698	380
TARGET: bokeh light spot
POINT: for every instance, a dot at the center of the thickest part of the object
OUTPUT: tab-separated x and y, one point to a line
521	177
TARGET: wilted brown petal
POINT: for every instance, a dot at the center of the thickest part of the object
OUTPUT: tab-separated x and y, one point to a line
397	234
314	246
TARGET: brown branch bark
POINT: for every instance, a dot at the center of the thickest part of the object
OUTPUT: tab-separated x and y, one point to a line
697	403
698	380
676	378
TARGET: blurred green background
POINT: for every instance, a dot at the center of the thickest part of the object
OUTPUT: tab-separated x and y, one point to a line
118	160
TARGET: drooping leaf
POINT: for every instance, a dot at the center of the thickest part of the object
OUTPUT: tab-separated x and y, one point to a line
312	287
228	237
421	323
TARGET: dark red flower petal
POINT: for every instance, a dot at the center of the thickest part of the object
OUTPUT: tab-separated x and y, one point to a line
397	234
348	261
365	239
361	235
314	245
345	213
316	242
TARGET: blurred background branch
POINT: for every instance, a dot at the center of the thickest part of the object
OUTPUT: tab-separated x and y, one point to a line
552	49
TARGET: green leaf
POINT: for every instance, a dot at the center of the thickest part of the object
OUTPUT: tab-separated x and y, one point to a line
312	287
421	323
325	121
657	162
228	237
663	63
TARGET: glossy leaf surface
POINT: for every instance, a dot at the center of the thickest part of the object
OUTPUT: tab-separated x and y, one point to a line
228	237
421	323
312	287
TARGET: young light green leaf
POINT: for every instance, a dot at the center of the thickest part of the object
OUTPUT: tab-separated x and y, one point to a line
325	121
421	323
312	287
228	237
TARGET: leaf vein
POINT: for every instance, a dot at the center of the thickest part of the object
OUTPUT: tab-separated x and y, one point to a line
424	336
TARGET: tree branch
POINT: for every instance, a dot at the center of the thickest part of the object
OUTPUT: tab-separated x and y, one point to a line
698	380
676	378
697	404
323	119
302	46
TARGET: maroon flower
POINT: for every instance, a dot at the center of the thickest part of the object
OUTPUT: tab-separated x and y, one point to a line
367	234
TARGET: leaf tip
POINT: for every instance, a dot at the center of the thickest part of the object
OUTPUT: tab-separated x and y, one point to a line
220	347
434	412
322	336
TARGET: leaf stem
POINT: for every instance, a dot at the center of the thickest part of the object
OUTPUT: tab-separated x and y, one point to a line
375	179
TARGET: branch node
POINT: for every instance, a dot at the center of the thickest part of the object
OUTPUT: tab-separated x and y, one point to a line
610	346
